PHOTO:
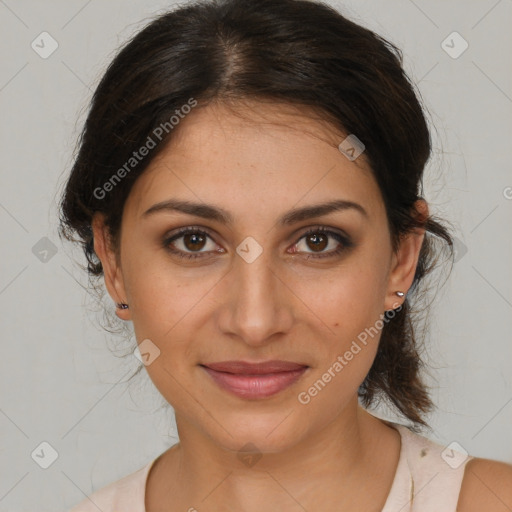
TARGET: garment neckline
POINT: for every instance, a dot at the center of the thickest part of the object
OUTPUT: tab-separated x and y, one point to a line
144	485
400	486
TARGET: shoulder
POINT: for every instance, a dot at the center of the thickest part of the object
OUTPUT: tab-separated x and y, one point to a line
126	493
487	485
446	479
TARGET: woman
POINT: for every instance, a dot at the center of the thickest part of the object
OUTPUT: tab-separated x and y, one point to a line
248	185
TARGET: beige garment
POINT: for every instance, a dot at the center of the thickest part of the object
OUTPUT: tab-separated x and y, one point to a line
428	477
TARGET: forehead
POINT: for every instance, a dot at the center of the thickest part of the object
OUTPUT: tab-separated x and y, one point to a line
256	156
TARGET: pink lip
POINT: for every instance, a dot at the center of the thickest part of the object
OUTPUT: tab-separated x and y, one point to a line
255	380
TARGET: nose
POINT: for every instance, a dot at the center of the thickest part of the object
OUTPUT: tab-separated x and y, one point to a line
259	305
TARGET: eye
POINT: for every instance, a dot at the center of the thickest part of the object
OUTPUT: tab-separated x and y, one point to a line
319	239
189	243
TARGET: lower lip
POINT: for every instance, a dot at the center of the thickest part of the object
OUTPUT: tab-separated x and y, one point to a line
255	386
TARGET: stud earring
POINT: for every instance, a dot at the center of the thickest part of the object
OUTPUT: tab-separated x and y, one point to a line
400	294
121	305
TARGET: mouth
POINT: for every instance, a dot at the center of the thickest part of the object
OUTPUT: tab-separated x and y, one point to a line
254	380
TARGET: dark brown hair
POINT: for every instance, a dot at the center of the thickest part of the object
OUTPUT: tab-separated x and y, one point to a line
295	52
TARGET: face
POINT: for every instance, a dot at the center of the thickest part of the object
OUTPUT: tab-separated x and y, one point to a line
241	267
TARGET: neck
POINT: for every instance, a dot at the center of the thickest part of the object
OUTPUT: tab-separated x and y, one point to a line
332	468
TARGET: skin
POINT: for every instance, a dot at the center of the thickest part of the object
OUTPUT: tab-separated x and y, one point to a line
329	454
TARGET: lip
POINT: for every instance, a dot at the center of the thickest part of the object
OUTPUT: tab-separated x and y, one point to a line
255	380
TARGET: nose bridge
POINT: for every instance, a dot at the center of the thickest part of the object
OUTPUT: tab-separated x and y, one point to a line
255	280
258	308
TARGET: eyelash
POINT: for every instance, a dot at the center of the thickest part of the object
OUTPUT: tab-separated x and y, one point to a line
345	242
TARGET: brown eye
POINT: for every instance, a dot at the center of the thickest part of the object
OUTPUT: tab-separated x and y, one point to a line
323	242
317	242
190	243
194	241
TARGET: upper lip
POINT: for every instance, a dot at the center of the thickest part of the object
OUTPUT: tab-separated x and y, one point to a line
244	367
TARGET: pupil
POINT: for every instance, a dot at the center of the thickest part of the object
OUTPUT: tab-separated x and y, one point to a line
318	243
194	241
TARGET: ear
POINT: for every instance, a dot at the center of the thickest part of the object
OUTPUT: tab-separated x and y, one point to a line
405	260
111	268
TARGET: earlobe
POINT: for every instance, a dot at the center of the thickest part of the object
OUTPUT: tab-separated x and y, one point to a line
111	270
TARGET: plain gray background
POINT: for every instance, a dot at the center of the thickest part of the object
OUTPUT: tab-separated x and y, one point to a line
61	384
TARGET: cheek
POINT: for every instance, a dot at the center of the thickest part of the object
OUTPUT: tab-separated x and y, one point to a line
344	355
346	298
347	305
161	295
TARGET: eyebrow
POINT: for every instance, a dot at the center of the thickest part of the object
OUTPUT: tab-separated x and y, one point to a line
211	212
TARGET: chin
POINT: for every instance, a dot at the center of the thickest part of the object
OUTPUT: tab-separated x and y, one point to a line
268	432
